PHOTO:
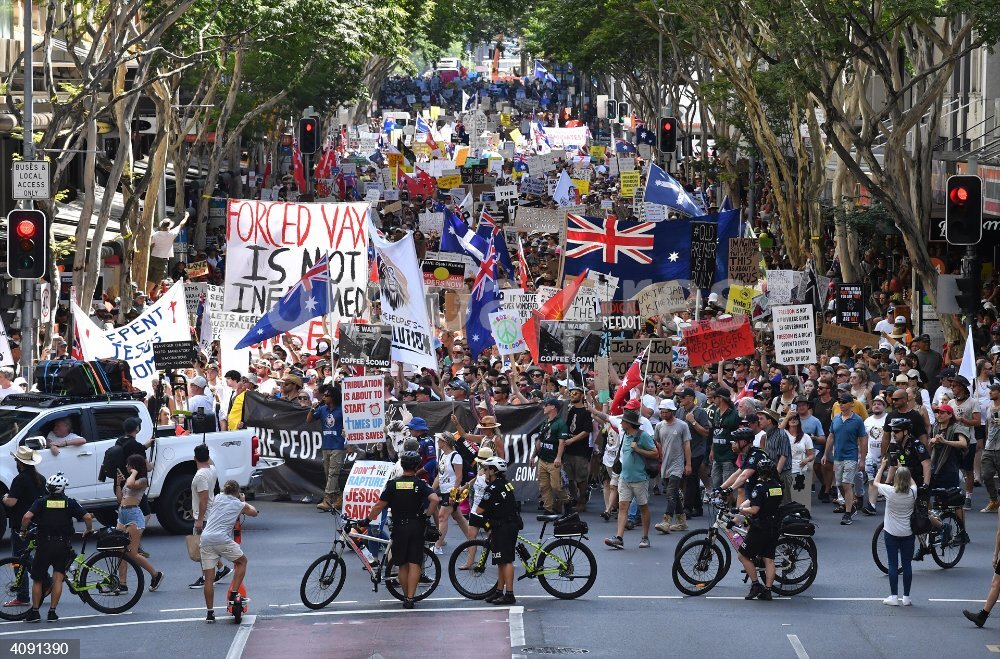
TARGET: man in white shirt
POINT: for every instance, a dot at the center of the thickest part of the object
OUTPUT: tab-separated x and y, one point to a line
874	425
161	250
199	400
202	495
884	328
7	385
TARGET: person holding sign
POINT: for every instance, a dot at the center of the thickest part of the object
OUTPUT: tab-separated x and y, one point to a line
406	497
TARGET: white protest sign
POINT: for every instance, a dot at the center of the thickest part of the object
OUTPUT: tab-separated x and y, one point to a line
519	302
364	486
368	142
794	334
661	299
654	212
506	329
271	245
364	409
431	222
505	193
779	286
585	305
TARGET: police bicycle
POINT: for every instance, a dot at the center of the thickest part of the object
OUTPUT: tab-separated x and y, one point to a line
944	544
108	580
564	566
325	577
699	564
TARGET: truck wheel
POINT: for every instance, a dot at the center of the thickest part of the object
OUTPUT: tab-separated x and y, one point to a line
173	507
106	516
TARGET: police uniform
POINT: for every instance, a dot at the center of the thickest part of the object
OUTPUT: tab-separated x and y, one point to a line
500	510
911	455
54	515
750	461
406	498
765	525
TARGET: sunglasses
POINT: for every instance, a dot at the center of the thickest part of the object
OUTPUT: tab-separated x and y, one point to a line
727	370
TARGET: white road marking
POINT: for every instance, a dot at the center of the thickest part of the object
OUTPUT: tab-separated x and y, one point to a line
37	630
192	608
947	600
515	618
285	606
640	597
739	597
848	599
240	640
800	650
387	610
466	599
61	618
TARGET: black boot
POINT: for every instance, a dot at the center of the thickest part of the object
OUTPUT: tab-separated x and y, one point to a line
765	594
755	590
978	618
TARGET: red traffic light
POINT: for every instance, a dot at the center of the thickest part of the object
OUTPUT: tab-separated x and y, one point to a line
26	229
308	126
959	195
668	124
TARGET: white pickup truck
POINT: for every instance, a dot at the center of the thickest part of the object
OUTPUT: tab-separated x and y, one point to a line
100	421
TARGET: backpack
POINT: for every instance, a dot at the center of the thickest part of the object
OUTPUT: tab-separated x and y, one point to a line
113	462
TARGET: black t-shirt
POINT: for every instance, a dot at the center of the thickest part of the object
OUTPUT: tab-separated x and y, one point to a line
578	420
911	456
919	428
406	497
55	514
766	494
823	412
26	488
498	502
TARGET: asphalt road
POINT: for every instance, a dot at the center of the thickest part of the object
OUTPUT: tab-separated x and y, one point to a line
633	607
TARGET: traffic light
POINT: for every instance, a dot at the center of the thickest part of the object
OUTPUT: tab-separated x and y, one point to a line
963	210
308	134
969	295
623	110
668	134
27	243
612	109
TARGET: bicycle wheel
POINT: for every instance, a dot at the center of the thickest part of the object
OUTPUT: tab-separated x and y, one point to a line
566	568
948	554
14	576
697	567
430	577
322	581
478	582
879	552
102	587
699	534
795	566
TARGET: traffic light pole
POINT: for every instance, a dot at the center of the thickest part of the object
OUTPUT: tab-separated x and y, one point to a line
29	332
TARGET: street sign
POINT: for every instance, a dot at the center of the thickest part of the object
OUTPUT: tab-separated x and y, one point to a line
30	179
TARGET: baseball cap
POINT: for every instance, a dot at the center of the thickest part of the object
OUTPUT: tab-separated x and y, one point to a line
845	397
555	402
199	382
900	320
945	408
834	360
687	391
668	404
902	379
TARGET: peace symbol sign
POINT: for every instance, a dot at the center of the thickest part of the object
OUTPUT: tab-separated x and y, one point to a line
506	331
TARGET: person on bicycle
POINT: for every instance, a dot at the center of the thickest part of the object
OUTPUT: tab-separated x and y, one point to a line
752	455
217	542
54	514
949	442
498	511
905	450
765	527
406	498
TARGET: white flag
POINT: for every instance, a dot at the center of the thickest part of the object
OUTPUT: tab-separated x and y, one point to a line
563	194
93	342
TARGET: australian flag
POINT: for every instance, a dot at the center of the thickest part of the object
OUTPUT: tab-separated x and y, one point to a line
644	136
624	146
642	253
491	231
307	299
663	189
482	302
422	126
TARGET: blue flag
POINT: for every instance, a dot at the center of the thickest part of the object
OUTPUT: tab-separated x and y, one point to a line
307	299
624	146
542	74
665	190
388	125
490	231
458	238
645	136
642	253
422	126
483	300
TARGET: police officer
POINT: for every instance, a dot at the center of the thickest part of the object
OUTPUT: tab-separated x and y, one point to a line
498	512
762	509
752	455
406	497
54	515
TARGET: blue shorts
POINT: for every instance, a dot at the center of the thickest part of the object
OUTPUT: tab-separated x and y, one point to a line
132	515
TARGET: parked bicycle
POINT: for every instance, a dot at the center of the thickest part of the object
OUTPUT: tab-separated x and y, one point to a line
944	544
699	564
325	577
108	580
564	566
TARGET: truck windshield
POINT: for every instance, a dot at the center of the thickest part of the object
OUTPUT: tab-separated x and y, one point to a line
12	422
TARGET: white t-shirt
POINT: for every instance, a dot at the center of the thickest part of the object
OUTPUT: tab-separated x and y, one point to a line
898	508
51	437
12	389
884	325
874	426
219	527
447	479
161	243
799	450
267	387
204	479
202	400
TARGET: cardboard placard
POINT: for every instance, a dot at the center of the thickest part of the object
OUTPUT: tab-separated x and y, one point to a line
661	299
846	336
710	341
197	269
779	286
544	220
794	334
364	345
744	260
621	316
659	359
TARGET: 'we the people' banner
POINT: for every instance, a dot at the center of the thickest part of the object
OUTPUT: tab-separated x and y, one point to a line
271	244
